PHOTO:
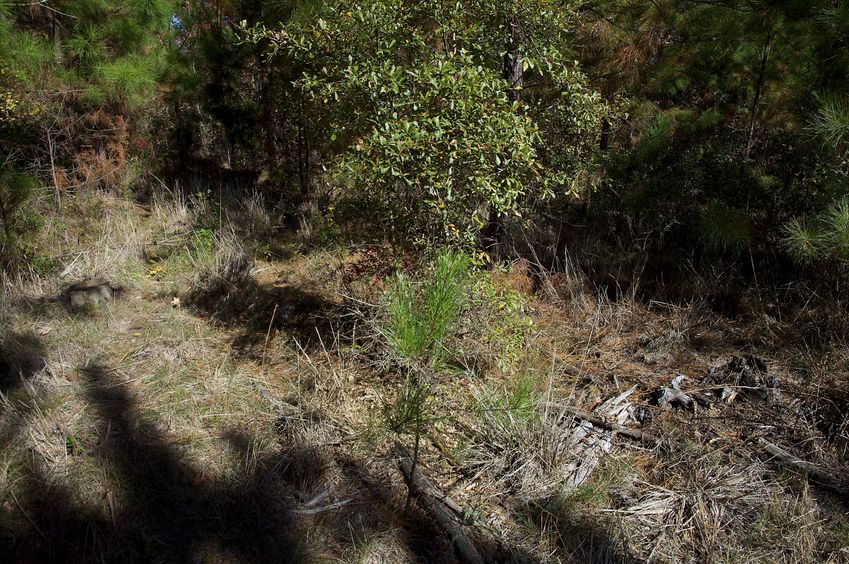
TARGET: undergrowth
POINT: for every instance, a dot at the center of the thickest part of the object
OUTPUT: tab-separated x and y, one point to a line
458	363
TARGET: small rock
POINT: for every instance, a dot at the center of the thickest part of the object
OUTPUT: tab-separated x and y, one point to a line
90	292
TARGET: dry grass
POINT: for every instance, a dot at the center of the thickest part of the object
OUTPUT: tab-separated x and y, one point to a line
222	279
152	429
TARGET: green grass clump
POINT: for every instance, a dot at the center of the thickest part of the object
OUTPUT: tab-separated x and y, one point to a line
831	123
498	323
517	402
724	228
803	242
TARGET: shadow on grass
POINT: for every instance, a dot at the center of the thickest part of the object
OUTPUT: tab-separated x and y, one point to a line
162	508
300	314
421	538
354	528
171	511
22	355
579	536
258	311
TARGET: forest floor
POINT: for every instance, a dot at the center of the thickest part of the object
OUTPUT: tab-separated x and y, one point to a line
164	427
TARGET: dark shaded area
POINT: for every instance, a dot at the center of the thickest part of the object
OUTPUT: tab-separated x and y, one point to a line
172	508
305	316
354	527
22	355
259	311
832	418
580	537
423	539
376	506
167	510
807	309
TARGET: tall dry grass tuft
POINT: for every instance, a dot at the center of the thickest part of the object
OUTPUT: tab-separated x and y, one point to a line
252	216
171	212
222	280
116	254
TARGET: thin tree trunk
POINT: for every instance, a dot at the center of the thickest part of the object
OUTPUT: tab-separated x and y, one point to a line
303	153
437	505
55	35
268	121
513	72
415	464
53	170
759	87
7	229
604	139
513	62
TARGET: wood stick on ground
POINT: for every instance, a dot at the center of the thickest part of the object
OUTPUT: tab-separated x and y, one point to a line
268	335
641	436
817	474
434	502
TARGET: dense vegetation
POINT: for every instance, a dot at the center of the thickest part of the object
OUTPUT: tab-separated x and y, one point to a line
665	136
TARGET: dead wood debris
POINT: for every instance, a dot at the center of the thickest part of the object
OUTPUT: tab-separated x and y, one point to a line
747	373
740	374
643	437
817	474
437	504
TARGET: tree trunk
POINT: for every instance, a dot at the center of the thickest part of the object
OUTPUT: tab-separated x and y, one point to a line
513	61
436	505
513	72
7	229
604	139
303	152
53	26
759	86
414	464
268	121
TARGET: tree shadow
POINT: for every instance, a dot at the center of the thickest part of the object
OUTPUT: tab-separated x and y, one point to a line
302	315
374	508
579	536
22	355
170	510
422	539
163	508
354	526
260	311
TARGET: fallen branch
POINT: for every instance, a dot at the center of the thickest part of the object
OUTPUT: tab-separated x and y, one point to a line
817	474
437	504
314	510
634	434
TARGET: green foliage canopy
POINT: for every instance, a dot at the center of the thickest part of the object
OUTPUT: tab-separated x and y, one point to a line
414	98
